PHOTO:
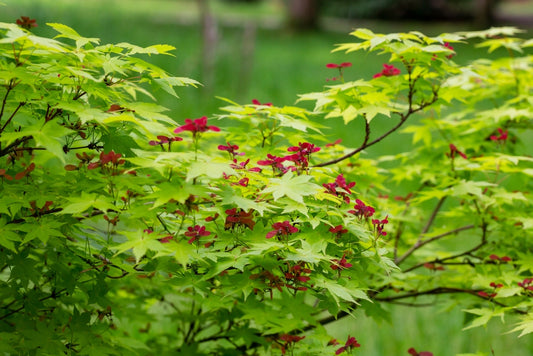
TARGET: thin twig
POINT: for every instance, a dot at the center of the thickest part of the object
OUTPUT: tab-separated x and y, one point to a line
15	143
403	119
10	87
426	228
21	104
466	253
14	311
399	230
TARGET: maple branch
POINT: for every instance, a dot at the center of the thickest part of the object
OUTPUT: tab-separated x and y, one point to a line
10	87
434	238
403	119
465	253
15	143
53	295
426	228
421	242
443	290
399	230
35	215
432	217
21	104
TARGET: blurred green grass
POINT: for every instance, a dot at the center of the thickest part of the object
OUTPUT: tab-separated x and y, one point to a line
430	329
283	65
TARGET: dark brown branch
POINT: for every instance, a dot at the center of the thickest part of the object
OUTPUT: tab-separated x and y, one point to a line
35	215
399	230
413	305
365	144
29	149
397	237
10	87
79	94
442	290
21	104
421	243
434	291
466	253
433	216
14	311
403	119
51	114
10	148
426	228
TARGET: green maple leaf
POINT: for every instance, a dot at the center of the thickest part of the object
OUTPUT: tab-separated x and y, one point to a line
312	253
371	111
484	316
139	243
42	230
9	235
525	326
292	187
465	188
86	201
213	168
340	292
171	191
230	197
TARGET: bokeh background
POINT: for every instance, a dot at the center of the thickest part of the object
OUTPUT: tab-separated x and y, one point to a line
273	50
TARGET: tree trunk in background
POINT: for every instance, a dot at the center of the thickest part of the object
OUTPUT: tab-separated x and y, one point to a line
247	58
484	13
209	37
303	14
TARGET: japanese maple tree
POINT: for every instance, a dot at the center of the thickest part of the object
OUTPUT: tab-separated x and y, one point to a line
125	231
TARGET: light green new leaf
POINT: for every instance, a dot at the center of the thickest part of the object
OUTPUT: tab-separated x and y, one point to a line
67	32
311	253
420	133
139	242
232	198
363	33
321	99
294	188
50	136
8	236
436	49
349	114
173	191
292	206
168	84
43	230
339	291
47	43
183	252
370	112
155	49
525	326
84	202
484	317
221	265
213	169
465	188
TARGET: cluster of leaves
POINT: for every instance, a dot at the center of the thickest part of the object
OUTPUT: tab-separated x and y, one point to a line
122	231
